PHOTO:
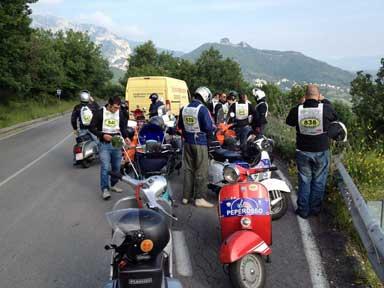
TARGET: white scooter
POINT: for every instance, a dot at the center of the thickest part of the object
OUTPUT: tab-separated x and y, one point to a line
278	189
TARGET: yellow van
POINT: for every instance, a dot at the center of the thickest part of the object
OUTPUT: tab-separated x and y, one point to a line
172	92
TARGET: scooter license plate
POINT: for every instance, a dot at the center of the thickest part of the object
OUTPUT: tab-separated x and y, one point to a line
79	156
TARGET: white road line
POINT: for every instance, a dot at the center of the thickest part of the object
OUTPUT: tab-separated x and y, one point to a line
35	161
183	262
311	251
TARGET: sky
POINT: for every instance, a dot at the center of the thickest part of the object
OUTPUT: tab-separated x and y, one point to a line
322	29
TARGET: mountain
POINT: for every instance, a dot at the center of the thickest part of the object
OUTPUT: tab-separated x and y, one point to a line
277	66
369	64
114	48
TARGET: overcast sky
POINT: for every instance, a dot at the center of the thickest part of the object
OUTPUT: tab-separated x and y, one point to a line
322	29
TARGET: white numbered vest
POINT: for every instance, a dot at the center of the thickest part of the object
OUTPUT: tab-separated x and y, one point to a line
310	120
225	109
86	115
191	119
241	111
111	122
214	103
266	104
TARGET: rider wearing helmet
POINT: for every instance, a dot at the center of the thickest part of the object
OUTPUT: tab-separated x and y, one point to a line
156	103
196	125
83	113
261	111
241	113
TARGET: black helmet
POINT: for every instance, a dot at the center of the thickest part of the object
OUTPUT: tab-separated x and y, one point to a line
337	131
154	96
233	94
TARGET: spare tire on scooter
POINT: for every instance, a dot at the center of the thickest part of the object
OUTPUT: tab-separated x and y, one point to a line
248	272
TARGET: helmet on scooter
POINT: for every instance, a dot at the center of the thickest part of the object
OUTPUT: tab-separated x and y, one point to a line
84	96
337	131
258	93
204	93
145	232
158	121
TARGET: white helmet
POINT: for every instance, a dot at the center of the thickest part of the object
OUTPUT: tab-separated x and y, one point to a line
258	93
204	93
85	96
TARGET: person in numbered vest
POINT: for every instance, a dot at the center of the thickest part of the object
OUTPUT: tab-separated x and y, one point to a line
196	125
155	105
240	114
109	123
82	115
261	111
312	120
221	109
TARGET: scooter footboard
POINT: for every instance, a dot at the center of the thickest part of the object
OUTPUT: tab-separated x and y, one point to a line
242	243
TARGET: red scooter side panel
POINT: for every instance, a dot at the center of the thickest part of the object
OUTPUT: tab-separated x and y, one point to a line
241	243
246	199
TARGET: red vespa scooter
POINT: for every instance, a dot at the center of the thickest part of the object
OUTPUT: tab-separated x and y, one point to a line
246	230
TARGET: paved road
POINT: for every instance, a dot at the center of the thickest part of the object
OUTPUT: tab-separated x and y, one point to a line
53	228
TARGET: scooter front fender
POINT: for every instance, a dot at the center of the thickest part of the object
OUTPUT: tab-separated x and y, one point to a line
275	184
241	243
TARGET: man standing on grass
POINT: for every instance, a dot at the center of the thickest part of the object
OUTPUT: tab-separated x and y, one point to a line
312	120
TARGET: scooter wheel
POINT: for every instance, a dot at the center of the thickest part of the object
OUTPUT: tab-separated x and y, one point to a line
248	272
86	163
279	210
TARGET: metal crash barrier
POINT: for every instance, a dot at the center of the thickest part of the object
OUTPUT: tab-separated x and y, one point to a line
366	225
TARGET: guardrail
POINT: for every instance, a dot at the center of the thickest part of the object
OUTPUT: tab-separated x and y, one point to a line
368	228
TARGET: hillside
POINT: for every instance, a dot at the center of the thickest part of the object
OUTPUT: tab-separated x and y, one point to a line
277	65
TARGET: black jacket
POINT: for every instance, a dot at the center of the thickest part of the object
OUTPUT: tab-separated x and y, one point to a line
96	125
153	108
259	117
312	143
76	115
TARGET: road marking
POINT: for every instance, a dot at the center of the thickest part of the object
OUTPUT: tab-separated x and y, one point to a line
34	161
183	262
311	251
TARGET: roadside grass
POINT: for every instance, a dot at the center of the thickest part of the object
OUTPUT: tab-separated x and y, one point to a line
366	167
18	112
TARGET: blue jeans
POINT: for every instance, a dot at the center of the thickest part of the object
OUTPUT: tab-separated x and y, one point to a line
312	173
109	157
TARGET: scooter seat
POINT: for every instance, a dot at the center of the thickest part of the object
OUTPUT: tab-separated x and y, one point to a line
222	155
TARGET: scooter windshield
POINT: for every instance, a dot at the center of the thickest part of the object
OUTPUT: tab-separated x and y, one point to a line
151	132
124	220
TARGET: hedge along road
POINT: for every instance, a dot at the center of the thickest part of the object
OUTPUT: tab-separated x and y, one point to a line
53	227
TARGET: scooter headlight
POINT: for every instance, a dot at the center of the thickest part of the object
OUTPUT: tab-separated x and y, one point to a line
231	174
245	222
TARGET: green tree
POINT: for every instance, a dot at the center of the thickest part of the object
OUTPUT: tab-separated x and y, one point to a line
45	66
218	74
84	66
14	38
368	101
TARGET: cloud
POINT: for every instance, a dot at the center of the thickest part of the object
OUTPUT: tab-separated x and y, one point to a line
101	19
97	18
